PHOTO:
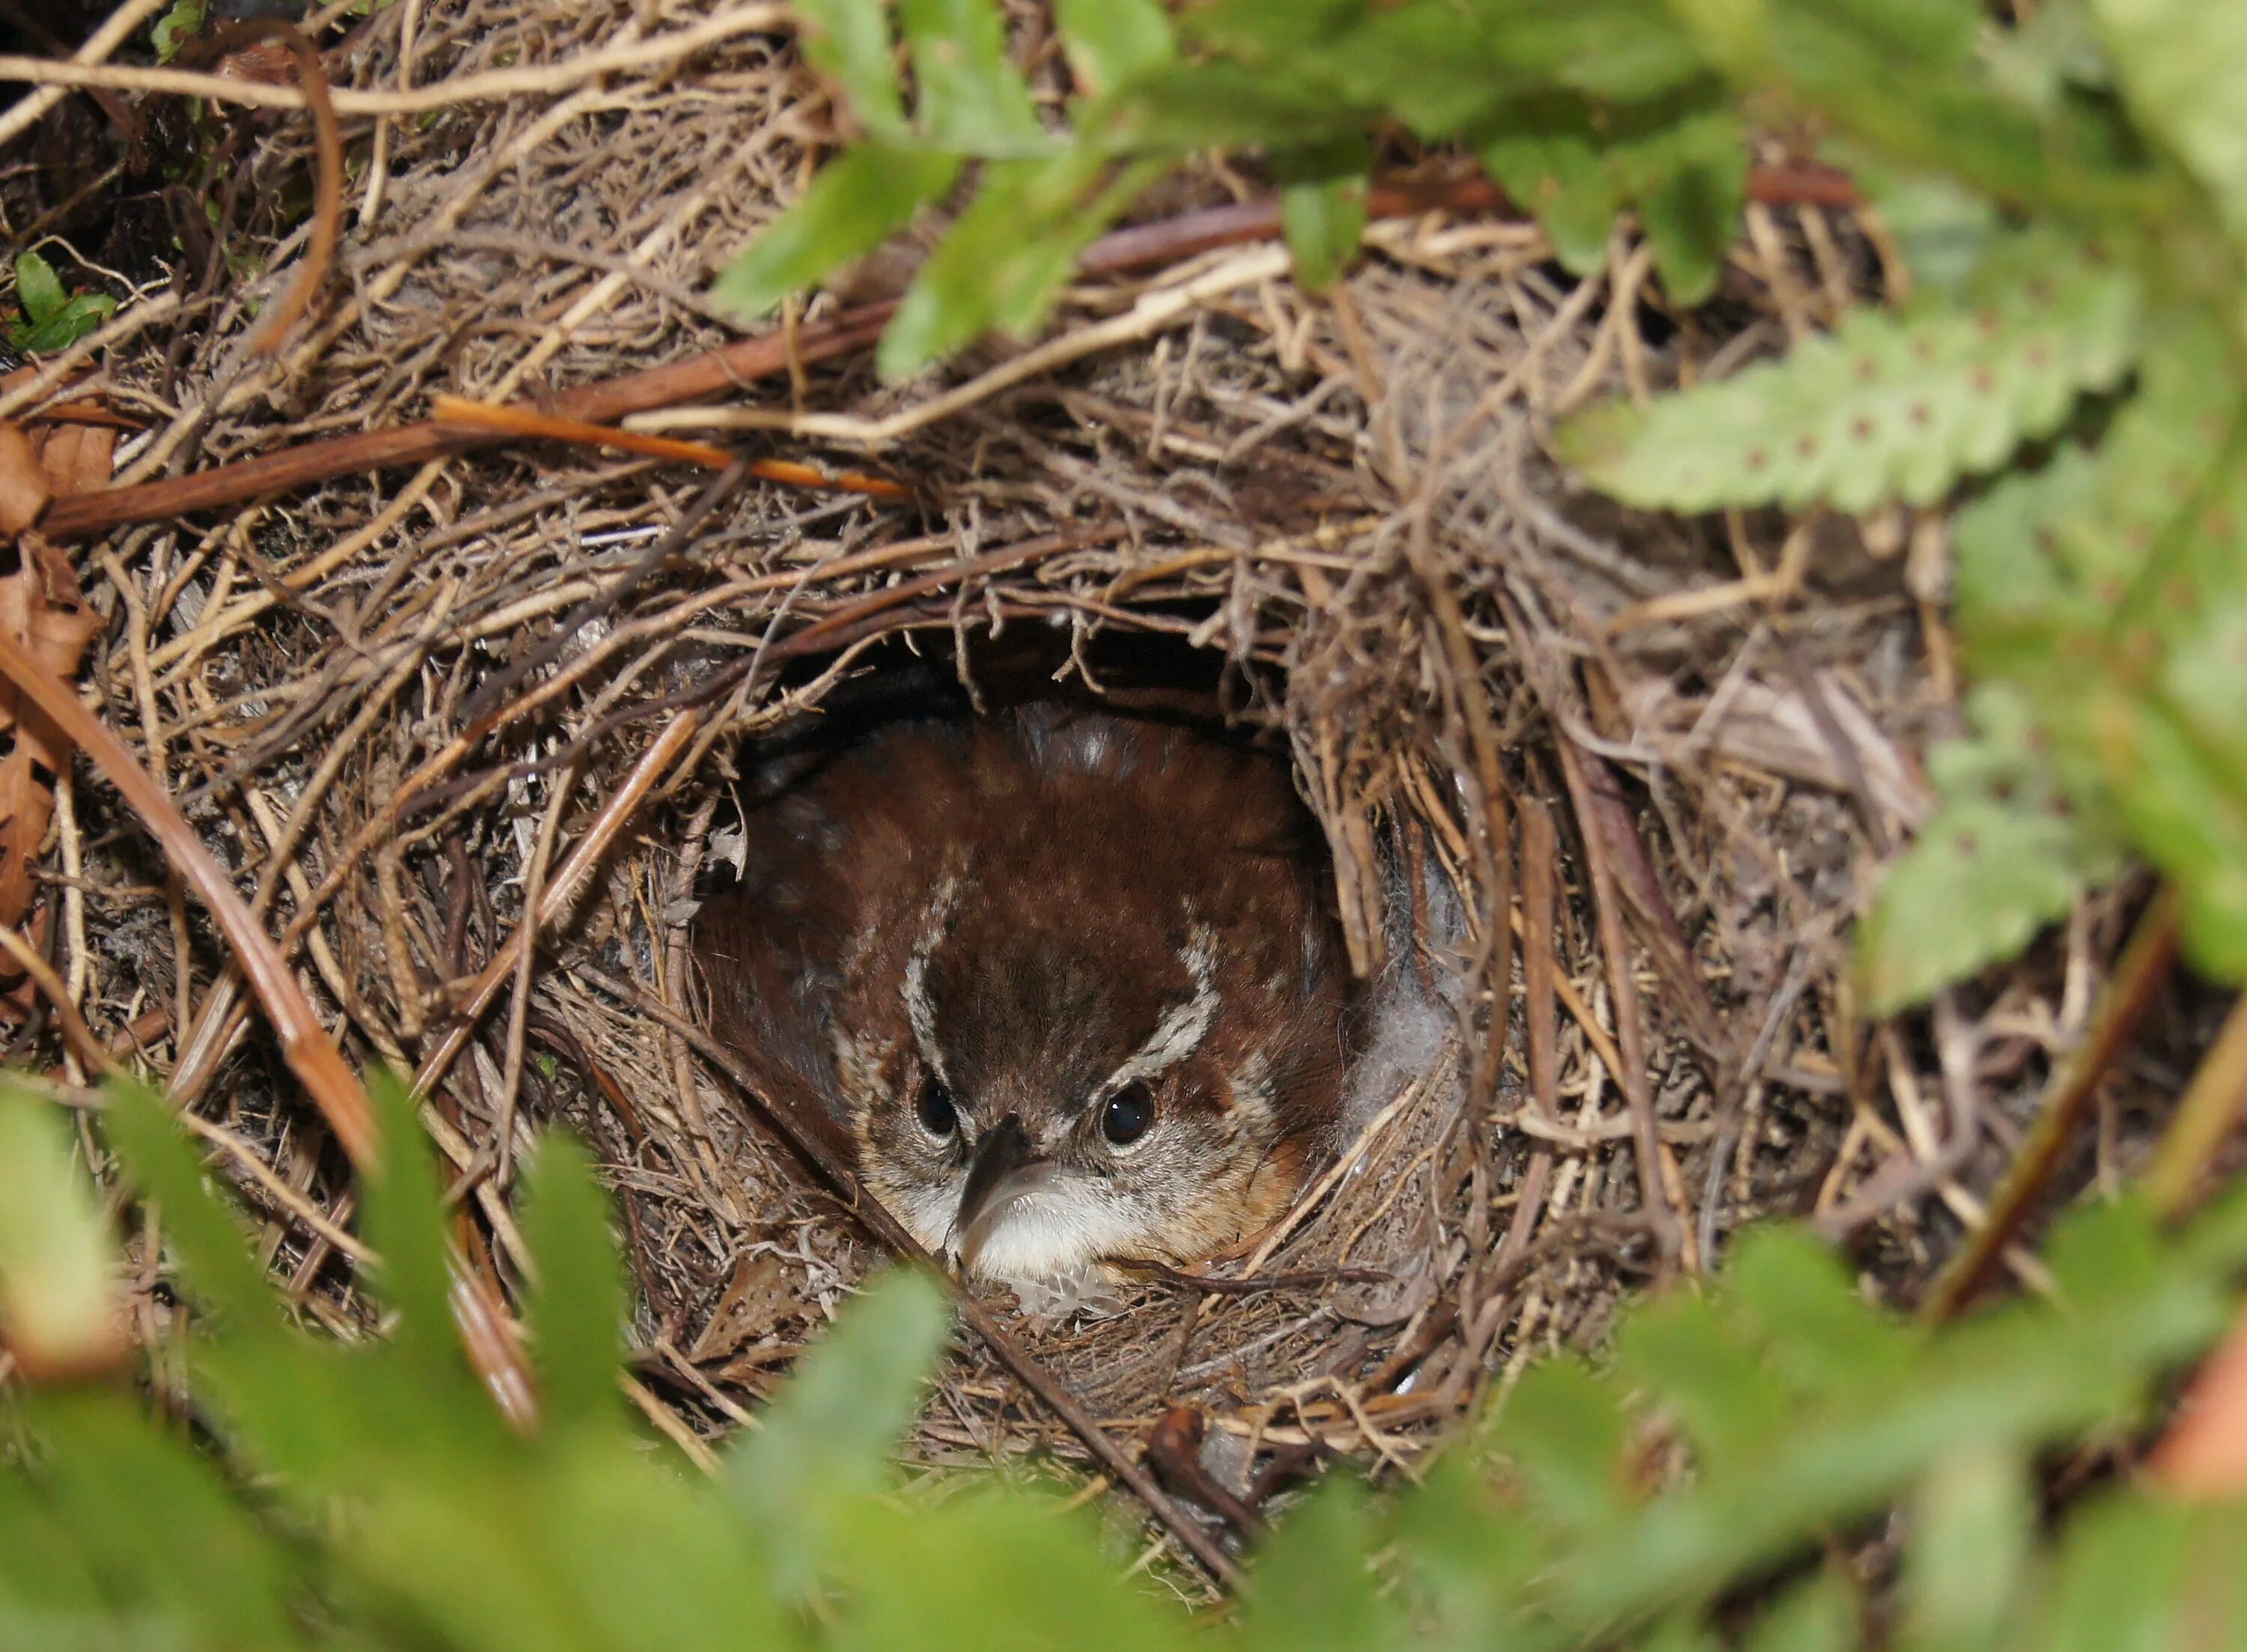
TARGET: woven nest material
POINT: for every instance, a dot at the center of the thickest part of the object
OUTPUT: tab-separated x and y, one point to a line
1669	758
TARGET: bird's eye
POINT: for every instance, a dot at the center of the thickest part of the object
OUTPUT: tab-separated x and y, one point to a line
934	1109
1129	1113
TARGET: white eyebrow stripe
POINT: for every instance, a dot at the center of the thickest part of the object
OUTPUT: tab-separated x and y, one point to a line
1182	1029
920	1009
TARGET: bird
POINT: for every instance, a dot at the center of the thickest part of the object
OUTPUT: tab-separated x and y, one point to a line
1068	981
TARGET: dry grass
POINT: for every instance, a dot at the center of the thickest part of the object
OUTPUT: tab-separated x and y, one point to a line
1345	497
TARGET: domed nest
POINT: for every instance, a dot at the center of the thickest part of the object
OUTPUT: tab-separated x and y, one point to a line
1599	792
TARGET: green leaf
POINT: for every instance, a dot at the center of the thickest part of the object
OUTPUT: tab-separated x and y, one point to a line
402	1213
1942	230
823	1444
1004	261
1261	32
2183	64
2048	54
1819	1615
176	27
57	1302
1690	184
1219	103
1471	1556
1429	66
201	1228
1313	1583
2070	547
2121	1561
973	100
38	288
44	1572
81	316
1113	44
2178	786
576	1311
849	41
851	207
2004	854
1563	1430
1614	51
990	1572
1792	1297
1558	177
1973	1525
652	1559
1322	209
1679	1352
162	1527
1887	408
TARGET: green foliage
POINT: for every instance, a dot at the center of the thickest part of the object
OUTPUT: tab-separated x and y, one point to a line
49	318
1581	109
2102	593
181	23
368	1496
55	1299
1886	407
2004	854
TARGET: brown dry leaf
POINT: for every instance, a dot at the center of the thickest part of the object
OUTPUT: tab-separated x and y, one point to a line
266	61
41	607
24	489
75	459
40	601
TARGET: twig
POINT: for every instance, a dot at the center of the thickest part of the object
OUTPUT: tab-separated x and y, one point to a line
327	175
1143	246
2138	974
556	900
442	95
1579	768
2208	1112
306	463
1212	1284
458	413
311	1054
488	697
486	1333
114	33
1174	1447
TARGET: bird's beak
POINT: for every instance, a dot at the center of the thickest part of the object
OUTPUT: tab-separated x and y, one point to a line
1004	1171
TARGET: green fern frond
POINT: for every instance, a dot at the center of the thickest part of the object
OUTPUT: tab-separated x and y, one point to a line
1889	407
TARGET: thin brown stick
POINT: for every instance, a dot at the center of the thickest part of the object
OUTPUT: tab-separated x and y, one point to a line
1214	1285
327	175
2138	974
306	463
585	856
1174	1447
1630	1034
92	1054
1540	976
822	1157
2208	1112
526	80
459	413
311	1054
771	355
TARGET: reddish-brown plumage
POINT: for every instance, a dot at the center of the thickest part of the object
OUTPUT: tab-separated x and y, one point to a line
1112	931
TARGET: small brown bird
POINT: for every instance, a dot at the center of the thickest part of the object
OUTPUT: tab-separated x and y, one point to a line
1068	979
